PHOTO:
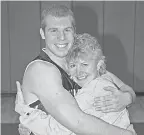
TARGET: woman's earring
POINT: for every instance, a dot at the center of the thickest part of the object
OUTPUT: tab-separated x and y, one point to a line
100	63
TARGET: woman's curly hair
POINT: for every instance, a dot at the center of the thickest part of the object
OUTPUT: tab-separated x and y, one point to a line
85	43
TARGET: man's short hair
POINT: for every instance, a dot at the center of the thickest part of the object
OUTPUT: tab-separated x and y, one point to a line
57	11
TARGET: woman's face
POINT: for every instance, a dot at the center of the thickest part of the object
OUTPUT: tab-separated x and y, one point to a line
83	69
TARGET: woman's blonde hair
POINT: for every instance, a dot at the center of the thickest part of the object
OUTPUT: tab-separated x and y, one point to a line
85	43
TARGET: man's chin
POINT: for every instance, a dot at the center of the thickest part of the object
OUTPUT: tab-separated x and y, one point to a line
63	55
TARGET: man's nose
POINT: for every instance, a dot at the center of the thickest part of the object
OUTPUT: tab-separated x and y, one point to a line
61	35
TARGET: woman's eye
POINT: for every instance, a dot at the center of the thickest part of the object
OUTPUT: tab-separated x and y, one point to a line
72	66
85	64
53	31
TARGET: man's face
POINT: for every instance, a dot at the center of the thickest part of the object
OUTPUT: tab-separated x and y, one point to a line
59	35
83	69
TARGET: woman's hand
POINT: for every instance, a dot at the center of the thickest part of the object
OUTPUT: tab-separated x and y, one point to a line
20	106
23	131
116	101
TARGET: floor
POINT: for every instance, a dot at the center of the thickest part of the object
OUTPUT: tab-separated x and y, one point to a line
9	118
11	129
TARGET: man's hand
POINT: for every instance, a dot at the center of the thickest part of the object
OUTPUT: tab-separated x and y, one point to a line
116	101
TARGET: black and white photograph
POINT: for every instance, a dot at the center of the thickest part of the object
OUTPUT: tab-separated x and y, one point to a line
72	67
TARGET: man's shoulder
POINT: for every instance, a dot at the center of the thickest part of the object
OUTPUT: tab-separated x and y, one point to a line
39	71
40	66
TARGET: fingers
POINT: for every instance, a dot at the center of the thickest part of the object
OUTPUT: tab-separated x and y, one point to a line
110	103
19	96
18	86
23	130
104	98
106	108
103	103
110	88
106	103
20	106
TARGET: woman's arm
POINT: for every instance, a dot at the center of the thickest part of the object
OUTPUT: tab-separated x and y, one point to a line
123	87
121	96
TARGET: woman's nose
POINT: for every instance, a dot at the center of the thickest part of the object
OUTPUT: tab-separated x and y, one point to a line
79	71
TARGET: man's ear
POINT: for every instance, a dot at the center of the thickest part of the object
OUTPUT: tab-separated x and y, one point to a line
42	33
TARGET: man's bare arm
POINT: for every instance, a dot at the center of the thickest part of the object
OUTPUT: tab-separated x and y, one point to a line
44	80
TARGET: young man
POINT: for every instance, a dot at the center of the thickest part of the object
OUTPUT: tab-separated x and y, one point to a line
47	85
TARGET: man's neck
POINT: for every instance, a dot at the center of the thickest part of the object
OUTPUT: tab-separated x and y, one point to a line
58	60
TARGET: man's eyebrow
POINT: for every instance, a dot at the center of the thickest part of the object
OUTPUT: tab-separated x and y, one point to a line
69	27
51	29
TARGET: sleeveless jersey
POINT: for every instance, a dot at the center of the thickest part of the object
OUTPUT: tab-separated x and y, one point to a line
67	83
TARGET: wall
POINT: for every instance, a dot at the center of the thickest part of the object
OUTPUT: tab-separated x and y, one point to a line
117	25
